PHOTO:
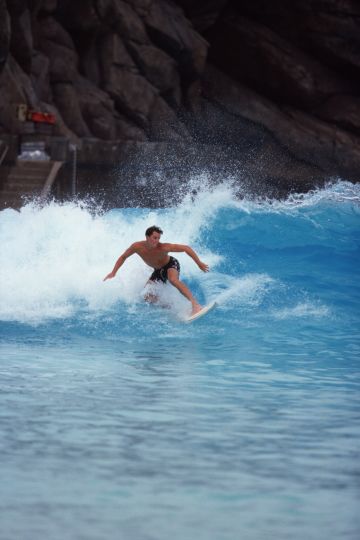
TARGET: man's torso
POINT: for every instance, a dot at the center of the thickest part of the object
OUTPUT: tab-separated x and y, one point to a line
156	257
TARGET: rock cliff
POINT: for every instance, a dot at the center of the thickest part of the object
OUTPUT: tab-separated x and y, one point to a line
277	82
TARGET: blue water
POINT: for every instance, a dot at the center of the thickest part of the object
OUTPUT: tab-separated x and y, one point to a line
117	420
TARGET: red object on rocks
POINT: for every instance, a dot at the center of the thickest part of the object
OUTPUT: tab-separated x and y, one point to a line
41	117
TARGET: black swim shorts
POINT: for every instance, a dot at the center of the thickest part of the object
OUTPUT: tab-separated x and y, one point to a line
160	274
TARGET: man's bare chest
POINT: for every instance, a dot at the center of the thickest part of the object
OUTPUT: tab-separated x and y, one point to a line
154	258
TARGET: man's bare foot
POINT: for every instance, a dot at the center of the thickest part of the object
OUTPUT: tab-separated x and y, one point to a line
196	308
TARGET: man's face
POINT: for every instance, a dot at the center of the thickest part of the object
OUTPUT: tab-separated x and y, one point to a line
153	240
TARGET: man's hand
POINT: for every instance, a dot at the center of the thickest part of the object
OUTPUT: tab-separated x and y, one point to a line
109	276
204	267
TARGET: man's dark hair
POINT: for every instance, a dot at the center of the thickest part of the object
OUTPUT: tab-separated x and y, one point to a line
153	229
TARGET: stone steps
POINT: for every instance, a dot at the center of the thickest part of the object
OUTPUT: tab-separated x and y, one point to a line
26	179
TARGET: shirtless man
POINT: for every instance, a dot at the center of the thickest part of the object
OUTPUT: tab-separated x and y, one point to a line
156	255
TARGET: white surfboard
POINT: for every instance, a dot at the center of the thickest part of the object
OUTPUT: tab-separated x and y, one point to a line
201	313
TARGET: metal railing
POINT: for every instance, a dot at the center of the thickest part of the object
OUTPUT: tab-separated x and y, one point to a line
73	149
50	179
3	151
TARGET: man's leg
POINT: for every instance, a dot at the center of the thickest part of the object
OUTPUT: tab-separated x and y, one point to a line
150	297
173	277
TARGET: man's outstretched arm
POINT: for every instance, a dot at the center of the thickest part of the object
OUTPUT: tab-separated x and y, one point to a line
180	248
130	251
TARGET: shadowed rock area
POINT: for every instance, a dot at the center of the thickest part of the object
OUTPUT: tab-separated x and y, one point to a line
272	88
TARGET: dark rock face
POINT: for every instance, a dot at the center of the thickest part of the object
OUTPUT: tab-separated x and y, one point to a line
4	33
273	65
58	46
278	82
302	58
21	36
311	140
326	29
110	69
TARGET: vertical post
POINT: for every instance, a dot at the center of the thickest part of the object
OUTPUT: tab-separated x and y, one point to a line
73	148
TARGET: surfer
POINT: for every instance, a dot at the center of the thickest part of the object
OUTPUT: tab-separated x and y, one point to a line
156	254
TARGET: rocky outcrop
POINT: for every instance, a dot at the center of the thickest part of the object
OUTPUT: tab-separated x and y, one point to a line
273	65
342	111
135	52
327	30
278	82
16	88
297	72
203	13
320	144
110	69
4	34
